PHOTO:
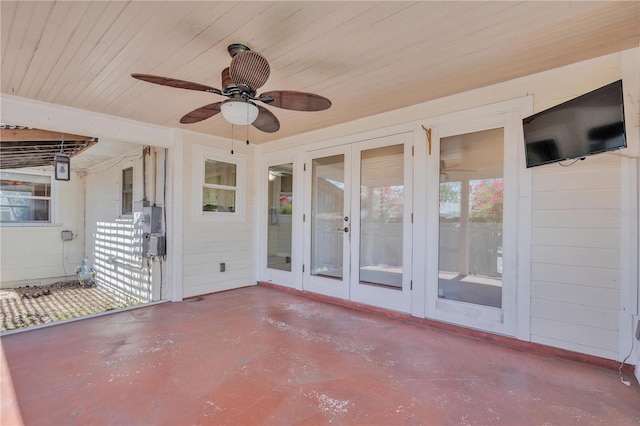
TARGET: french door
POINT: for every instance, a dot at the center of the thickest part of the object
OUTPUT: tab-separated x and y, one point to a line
472	230
357	222
327	222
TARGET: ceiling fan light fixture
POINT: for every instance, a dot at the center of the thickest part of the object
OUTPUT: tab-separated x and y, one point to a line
239	112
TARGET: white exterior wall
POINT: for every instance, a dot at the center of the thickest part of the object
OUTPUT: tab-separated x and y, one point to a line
207	243
578	247
582	263
575	271
630	230
104	192
36	255
43	243
111	234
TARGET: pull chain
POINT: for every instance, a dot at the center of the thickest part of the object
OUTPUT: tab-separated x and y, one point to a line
247	126
231	139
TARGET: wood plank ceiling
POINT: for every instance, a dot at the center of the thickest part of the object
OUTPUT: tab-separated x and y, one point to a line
367	57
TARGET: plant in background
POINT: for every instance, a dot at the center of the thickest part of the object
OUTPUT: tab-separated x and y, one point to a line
486	201
450	192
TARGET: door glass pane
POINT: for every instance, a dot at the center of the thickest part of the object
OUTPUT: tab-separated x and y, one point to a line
279	220
327	220
471	198
381	214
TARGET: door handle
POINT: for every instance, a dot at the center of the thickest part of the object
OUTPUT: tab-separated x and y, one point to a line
345	229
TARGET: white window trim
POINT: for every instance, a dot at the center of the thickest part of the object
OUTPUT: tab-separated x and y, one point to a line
200	155
53	208
125	164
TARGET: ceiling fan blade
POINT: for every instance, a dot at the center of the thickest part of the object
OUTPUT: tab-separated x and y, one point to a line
172	82
266	121
201	113
298	101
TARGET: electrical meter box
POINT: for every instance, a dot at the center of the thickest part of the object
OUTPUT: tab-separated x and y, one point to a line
154	245
152	220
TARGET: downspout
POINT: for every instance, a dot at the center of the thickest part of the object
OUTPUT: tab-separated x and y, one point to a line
145	151
154	175
83	176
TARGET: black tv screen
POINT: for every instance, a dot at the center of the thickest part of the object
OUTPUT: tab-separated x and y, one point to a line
586	125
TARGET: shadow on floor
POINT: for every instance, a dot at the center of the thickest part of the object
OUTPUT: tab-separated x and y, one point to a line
32	305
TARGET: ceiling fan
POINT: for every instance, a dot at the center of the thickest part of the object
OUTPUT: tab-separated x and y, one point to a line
247	72
445	169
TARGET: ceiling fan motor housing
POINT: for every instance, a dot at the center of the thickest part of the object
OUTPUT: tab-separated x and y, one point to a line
249	68
235	91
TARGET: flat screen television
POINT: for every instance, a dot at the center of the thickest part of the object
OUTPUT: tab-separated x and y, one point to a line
589	124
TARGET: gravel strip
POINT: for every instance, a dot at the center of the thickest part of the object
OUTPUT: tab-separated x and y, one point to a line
25	306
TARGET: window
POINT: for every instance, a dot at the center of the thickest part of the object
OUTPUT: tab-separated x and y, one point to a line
25	198
218	185
220	188
127	191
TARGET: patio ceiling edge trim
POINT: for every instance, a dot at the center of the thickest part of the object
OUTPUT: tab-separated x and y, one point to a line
44	115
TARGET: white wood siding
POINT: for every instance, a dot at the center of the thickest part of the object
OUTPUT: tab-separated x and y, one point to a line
36	254
575	292
113	246
206	244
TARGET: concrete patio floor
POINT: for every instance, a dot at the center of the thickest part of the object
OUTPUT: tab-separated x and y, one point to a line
262	356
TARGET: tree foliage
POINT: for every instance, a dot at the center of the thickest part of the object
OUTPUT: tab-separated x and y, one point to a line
486	200
450	192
